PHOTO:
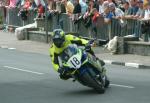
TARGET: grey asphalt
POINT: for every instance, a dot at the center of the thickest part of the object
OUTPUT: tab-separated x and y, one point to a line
29	78
9	40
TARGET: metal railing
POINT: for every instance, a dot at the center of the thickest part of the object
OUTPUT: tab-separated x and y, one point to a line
103	30
12	18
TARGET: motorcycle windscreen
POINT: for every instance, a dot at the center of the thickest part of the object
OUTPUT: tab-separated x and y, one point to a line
68	53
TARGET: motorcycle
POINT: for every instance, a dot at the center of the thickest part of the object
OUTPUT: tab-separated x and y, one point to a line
84	68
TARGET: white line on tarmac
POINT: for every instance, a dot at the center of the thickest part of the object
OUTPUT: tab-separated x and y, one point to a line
124	86
11	48
136	65
8	67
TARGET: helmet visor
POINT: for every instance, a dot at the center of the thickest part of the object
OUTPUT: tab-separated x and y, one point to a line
58	42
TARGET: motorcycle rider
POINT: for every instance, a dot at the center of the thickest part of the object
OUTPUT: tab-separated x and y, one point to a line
60	42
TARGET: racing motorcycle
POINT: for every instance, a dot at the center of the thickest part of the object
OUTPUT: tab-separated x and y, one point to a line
84	68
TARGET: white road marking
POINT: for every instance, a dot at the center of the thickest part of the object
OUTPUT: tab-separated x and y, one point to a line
124	86
136	65
23	70
108	61
12	48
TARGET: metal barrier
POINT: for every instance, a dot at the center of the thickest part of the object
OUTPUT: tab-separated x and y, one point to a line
12	18
103	30
69	26
129	27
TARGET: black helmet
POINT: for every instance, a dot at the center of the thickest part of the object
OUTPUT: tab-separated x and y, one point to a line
58	37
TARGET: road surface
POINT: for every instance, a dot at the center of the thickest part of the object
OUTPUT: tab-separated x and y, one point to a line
29	78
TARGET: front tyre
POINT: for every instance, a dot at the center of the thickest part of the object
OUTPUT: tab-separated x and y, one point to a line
107	82
101	88
88	79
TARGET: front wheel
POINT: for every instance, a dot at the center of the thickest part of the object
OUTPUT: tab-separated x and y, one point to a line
107	82
101	88
93	82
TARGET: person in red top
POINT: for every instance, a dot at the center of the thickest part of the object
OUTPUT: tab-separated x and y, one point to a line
41	11
27	4
24	10
12	3
95	15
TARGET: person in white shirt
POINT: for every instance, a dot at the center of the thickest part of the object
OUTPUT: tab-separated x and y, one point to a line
117	13
147	11
100	6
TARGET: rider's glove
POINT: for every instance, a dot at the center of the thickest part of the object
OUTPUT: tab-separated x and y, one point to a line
61	70
63	74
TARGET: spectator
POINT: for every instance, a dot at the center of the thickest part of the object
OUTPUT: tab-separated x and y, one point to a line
40	8
146	10
87	18
41	11
105	4
145	2
100	6
95	15
107	14
12	4
27	5
33	5
127	11
117	13
83	6
91	5
133	7
69	7
18	3
40	2
58	5
112	1
77	7
51	5
87	14
63	8
119	3
4	3
140	12
96	4
146	22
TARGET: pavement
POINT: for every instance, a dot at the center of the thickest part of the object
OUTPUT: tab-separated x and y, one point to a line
9	41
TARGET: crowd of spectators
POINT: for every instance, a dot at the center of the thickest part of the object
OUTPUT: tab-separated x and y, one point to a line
90	10
119	9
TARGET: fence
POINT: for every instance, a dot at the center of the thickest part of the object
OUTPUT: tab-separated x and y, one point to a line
11	18
103	30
